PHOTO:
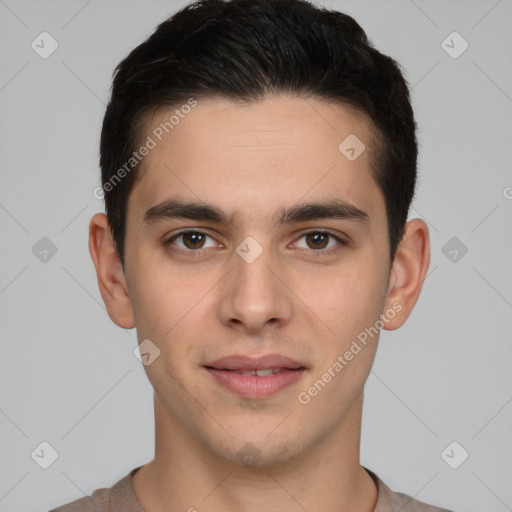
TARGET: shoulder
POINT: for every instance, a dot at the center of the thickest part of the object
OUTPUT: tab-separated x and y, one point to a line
405	503
391	501
98	501
118	498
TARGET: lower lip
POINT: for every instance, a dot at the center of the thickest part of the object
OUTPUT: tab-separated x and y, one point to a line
252	386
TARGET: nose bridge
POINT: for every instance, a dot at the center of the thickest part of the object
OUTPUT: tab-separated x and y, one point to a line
254	295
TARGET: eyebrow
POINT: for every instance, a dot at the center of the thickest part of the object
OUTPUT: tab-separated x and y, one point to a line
196	210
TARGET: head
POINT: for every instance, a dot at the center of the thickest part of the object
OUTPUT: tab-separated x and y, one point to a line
295	140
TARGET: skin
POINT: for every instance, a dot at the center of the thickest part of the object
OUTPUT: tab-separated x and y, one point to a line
294	299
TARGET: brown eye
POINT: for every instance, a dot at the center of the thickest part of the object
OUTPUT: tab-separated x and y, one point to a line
193	240
320	242
317	240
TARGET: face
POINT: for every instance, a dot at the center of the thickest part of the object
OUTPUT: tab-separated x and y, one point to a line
280	264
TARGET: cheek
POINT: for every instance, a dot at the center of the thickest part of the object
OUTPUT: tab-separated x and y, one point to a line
162	293
168	305
347	299
160	314
151	300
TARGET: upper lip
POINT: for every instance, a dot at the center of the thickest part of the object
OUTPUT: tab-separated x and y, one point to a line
245	363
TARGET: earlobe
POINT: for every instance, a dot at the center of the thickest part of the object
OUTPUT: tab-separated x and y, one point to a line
109	272
408	272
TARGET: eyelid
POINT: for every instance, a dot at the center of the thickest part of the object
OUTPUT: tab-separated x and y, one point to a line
169	240
341	242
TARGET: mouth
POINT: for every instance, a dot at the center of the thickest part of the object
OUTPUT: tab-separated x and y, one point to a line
256	378
260	373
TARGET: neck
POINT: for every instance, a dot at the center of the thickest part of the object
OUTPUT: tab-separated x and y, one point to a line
187	476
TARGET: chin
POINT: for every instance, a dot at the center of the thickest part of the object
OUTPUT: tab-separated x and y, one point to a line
257	451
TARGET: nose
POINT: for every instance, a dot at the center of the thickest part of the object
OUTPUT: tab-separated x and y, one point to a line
255	296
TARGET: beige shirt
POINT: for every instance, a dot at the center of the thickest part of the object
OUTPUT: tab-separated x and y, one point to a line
121	498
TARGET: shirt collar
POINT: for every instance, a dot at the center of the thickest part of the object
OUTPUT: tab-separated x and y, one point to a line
123	498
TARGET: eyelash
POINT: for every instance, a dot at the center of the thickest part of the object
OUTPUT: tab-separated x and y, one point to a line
315	252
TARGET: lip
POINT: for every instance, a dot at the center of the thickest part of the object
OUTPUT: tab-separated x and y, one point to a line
245	363
226	372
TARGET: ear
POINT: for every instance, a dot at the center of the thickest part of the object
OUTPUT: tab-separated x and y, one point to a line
408	272
110	274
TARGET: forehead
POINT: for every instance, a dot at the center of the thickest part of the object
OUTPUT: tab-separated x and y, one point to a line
249	156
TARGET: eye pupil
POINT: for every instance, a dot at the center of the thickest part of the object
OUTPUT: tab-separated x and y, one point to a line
319	240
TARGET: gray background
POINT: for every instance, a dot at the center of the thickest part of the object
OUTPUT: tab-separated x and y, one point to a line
68	374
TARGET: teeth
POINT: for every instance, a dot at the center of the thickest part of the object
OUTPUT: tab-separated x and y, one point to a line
261	373
264	373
